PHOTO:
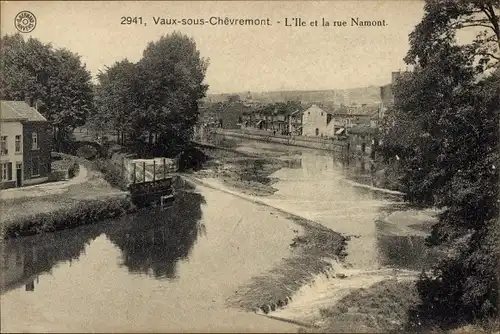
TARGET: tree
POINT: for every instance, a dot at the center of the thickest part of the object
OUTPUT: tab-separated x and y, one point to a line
55	79
444	128
69	94
171	73
116	98
444	18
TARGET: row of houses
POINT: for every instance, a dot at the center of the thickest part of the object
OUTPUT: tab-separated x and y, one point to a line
356	125
315	121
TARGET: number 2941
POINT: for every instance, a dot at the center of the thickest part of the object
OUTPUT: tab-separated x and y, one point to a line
131	20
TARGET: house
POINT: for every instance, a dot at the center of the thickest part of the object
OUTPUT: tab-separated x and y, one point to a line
317	122
25	145
230	115
362	139
349	117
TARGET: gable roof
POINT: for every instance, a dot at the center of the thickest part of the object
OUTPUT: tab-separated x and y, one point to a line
19	110
319	108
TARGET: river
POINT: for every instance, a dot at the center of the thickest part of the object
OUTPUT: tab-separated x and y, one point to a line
174	269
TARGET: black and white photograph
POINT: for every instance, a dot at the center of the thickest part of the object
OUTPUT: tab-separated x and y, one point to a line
250	166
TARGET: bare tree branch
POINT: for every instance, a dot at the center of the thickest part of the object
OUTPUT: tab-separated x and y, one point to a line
492	56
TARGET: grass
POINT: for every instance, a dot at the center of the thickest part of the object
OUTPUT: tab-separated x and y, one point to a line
486	326
247	173
62	161
70	216
273	289
28	215
382	307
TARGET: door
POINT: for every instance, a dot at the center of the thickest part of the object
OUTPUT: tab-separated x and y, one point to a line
19	174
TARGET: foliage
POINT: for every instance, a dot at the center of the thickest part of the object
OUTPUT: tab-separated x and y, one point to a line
443	19
88	152
112	173
443	132
73	170
116	98
54	78
156	99
83	213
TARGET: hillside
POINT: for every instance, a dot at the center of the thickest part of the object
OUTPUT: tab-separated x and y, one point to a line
368	95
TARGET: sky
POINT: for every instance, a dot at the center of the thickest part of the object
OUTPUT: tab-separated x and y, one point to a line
242	58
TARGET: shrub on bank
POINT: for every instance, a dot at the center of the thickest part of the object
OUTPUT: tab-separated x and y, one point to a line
112	173
62	164
73	170
82	213
87	152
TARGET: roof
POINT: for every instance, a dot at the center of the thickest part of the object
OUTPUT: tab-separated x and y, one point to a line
19	110
355	110
319	108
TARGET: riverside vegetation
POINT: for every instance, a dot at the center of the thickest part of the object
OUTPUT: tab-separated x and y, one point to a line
92	200
444	129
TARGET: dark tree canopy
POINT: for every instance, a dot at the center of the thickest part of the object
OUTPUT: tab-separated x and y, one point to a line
158	96
444	130
55	78
443	19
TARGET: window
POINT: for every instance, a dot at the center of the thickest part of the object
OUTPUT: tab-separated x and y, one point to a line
3	145
321	114
18	143
34	141
6	171
35	166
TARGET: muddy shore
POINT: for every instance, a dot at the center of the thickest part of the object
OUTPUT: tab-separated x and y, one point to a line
250	174
380	304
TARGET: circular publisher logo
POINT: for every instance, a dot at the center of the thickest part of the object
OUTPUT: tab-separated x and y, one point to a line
25	21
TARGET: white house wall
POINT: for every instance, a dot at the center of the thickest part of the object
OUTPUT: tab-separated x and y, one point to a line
312	119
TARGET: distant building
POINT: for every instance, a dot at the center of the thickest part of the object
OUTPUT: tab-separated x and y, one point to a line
317	122
363	140
357	115
387	94
230	115
25	146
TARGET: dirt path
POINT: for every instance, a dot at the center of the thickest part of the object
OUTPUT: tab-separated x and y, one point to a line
45	189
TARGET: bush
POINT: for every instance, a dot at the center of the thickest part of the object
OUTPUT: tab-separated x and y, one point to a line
112	173
73	170
87	152
82	213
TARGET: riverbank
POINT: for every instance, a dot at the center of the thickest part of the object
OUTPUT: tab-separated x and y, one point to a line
248	173
365	298
369	172
315	250
64	204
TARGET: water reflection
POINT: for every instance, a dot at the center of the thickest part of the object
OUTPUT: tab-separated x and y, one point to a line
153	243
403	251
293	163
23	259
